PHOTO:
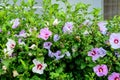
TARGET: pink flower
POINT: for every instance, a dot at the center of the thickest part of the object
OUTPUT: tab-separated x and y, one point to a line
45	33
94	54
39	67
114	76
101	70
68	27
102	27
115	40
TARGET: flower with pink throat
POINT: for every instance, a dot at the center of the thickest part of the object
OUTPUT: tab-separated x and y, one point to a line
101	70
39	67
45	33
114	76
115	40
102	27
10	44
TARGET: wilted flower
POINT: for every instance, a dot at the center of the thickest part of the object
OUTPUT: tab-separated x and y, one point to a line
10	44
86	32
87	22
4	68
68	27
15	73
114	76
56	37
8	51
102	27
45	33
50	53
58	55
115	40
56	22
32	46
47	45
67	53
101	70
94	54
39	67
15	23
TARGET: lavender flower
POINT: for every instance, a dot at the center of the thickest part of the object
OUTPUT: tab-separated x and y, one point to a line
15	23
58	55
102	52
20	42
22	33
47	45
101	70
102	27
68	27
56	37
114	76
115	40
0	30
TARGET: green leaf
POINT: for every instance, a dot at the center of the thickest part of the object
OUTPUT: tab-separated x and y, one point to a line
23	64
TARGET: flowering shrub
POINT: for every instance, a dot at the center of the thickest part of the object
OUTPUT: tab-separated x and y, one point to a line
58	44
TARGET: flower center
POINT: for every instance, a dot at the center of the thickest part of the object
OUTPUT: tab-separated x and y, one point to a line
116	41
46	35
39	66
100	70
93	53
116	78
12	45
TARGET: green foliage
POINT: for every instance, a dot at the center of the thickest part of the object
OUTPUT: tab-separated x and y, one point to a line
77	66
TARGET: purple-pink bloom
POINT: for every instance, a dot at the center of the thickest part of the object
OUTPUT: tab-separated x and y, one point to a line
101	70
15	23
94	53
47	45
56	37
102	27
68	27
115	40
45	33
58	55
114	76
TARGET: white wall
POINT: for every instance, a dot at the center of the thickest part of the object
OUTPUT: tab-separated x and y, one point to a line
94	3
